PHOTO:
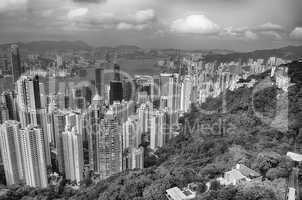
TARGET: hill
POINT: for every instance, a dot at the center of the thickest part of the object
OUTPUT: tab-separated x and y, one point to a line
48	46
289	53
133	52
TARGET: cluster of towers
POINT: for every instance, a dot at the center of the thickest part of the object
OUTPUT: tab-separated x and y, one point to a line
49	126
210	79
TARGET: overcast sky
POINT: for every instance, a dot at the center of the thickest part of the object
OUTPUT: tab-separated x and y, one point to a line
189	24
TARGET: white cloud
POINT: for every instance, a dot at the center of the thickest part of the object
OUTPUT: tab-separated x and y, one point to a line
269	27
78	12
296	34
268	31
126	26
250	35
272	34
47	13
93	19
197	24
234	32
141	20
8	4
143	16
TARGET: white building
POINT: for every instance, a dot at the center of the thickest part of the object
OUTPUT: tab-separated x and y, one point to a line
144	114
185	96
133	158
73	154
11	152
177	194
34	161
294	156
158	130
131	133
239	174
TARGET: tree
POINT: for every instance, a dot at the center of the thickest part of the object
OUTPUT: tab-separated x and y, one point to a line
256	190
275	173
201	187
157	190
267	160
227	193
215	185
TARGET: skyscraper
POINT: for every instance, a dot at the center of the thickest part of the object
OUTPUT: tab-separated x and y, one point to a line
170	98
133	158
117	109
43	124
158	131
94	116
109	146
128	89
59	128
8	98
11	152
99	81
17	69
144	114
116	91
137	158
117	75
28	99
3	113
164	89
31	101
173	93
185	96
73	153
156	88
164	84
59	61
145	84
131	133
32	145
107	94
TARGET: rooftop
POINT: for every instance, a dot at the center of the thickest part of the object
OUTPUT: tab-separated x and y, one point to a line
294	156
97	97
236	174
177	194
244	170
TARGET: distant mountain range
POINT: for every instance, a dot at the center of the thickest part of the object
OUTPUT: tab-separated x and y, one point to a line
132	52
43	46
289	52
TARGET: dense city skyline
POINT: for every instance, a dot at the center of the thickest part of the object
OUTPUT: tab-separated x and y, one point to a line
239	25
150	99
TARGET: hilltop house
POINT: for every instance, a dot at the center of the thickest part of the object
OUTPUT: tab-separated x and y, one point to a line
239	174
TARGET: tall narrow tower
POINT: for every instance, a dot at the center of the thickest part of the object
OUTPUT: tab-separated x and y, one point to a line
10	145
109	146
99	81
15	62
33	154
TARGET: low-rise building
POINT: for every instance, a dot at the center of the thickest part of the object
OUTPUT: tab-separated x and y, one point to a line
294	156
176	193
238	175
